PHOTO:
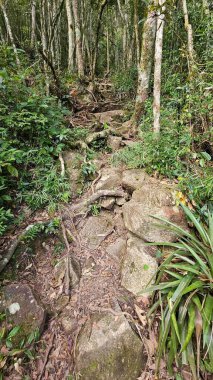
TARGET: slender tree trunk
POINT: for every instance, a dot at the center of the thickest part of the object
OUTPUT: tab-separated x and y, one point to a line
108	54
2	35
9	31
188	27
70	36
137	41
158	65
145	67
44	44
78	38
102	6
33	24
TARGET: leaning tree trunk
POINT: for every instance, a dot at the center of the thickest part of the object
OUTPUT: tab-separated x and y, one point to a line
44	45
9	31
145	67
191	53
78	38
157	69
70	36
102	6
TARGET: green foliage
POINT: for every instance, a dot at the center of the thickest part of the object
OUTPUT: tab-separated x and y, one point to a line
46	228
125	81
13	350
164	155
32	134
184	292
88	168
95	209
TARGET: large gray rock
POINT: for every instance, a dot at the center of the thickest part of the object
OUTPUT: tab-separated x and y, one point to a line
139	266
108	349
73	161
96	229
152	199
133	179
110	179
108	117
117	249
114	142
22	309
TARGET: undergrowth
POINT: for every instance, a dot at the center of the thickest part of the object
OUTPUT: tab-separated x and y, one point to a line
32	134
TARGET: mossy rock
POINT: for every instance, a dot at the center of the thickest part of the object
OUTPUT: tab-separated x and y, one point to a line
22	309
109	349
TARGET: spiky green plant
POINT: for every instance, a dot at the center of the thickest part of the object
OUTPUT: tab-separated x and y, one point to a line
184	293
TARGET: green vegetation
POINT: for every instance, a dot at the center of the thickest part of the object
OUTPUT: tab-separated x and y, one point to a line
183	291
32	134
12	346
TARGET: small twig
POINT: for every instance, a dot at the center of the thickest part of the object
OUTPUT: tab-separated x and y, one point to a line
49	348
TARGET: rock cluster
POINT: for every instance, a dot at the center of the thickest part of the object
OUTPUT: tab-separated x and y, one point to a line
108	348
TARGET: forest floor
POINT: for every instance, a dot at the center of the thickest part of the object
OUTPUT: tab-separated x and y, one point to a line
99	290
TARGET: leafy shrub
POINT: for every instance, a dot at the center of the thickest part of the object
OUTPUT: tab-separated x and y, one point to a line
184	292
125	81
163	155
32	135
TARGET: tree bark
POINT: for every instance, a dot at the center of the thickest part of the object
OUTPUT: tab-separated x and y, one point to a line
145	67
9	31
190	43
158	64
44	45
137	41
33	24
70	36
78	38
102	6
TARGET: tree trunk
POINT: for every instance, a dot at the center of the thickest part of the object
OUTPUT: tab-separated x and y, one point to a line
137	41
9	31
188	27
102	6
158	64
2	36
145	67
33	24
70	36
78	38
44	45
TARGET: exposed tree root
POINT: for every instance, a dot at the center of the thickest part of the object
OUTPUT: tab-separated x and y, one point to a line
71	276
99	194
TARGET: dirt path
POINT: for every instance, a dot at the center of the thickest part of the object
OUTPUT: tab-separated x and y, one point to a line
98	243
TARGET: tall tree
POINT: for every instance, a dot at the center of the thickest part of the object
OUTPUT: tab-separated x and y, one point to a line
97	36
33	23
190	42
70	36
158	64
145	67
78	38
9	31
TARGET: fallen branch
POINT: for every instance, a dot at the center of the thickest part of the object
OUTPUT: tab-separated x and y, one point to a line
99	194
7	257
10	252
62	164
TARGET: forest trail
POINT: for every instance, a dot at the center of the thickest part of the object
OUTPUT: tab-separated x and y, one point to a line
109	266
